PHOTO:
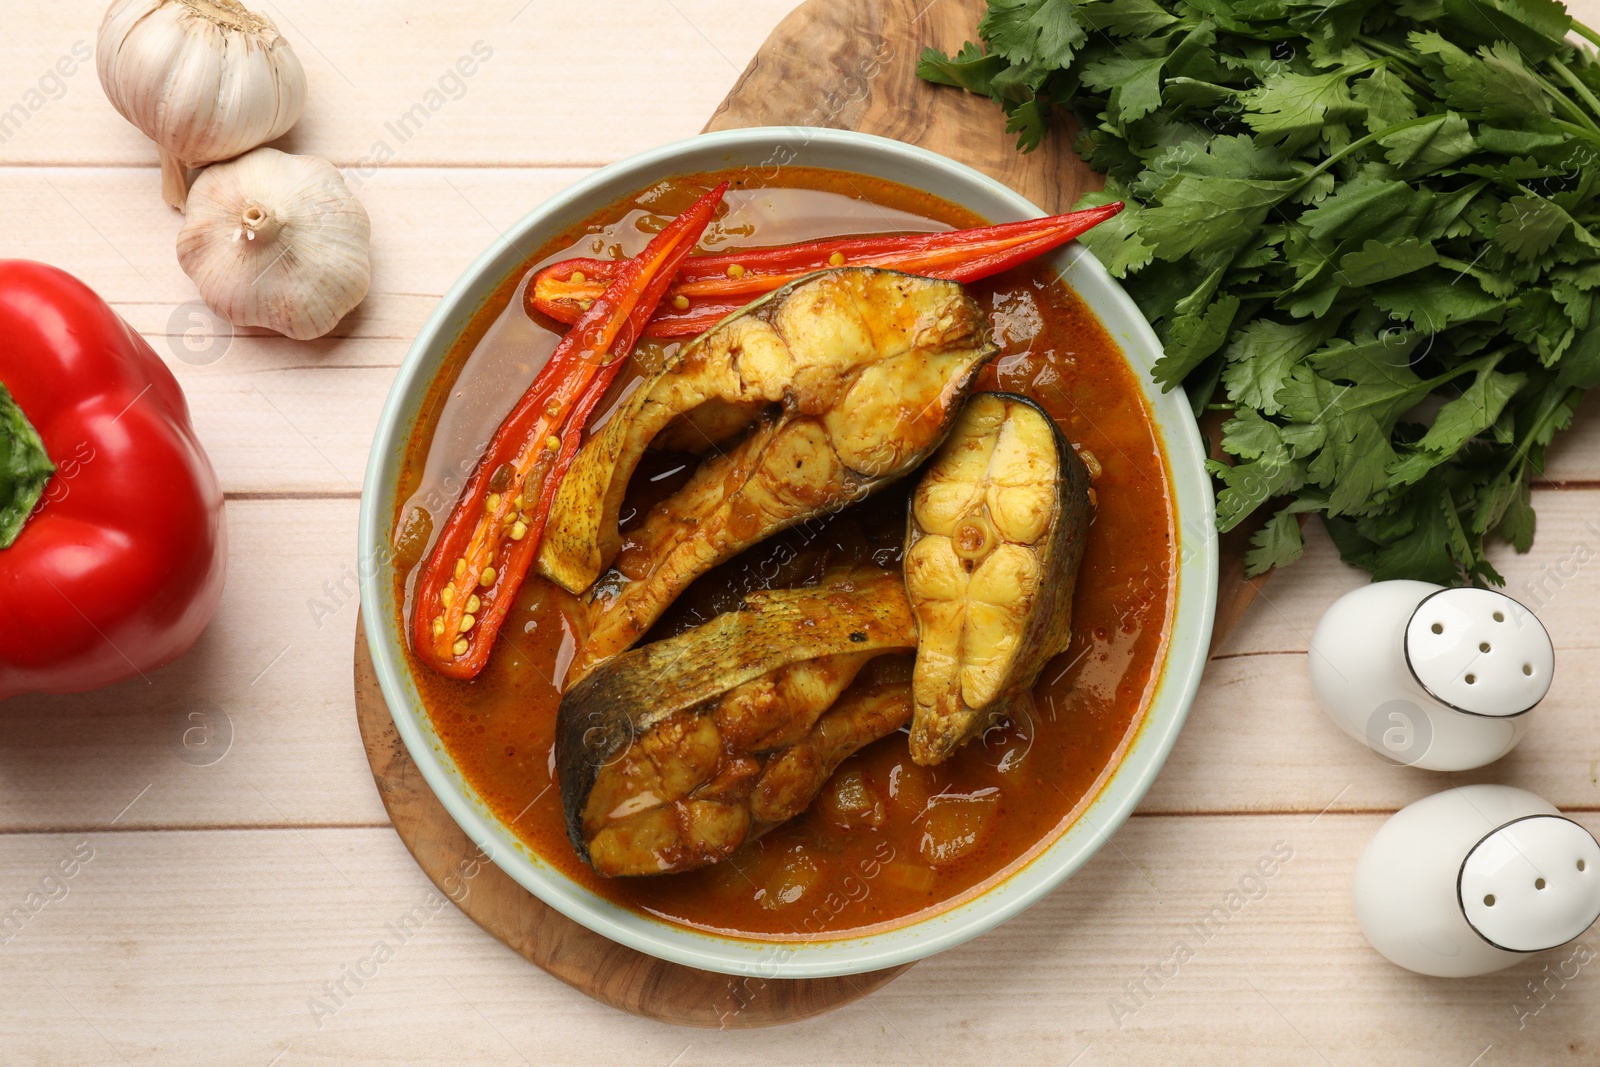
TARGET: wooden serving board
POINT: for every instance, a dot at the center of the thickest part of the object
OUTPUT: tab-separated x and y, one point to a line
849	64
610	973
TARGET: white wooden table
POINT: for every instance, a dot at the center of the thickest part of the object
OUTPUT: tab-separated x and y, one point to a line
222	899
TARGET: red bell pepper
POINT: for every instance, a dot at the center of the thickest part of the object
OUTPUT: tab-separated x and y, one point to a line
709	288
112	544
484	553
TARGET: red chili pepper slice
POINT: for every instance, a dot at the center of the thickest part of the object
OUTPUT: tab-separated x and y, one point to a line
711	287
485	551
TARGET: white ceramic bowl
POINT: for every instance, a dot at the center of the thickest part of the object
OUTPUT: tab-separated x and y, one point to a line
1180	673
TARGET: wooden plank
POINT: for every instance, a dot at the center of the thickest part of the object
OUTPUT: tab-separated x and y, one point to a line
276	661
604	970
548	83
866	81
182	946
1257	735
1559	579
161	927
1257	740
276	415
1575	455
428	225
272	673
289	416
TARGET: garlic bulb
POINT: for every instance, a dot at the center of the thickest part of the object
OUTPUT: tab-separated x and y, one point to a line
278	241
204	79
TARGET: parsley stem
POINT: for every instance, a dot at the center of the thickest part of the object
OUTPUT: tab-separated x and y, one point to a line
1568	400
1577	86
1578	131
1490	360
1362	142
1458	266
1384	48
1404	65
1563	102
1560	99
1362	68
1585	32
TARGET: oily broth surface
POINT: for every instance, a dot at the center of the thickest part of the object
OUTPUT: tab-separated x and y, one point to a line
1000	799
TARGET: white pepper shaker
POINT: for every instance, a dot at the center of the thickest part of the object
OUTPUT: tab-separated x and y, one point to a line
1473	880
1429	676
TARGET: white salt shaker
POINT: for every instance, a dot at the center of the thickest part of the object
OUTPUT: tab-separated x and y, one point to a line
1474	879
1429	676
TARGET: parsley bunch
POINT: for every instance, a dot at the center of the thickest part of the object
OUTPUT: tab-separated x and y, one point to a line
1365	229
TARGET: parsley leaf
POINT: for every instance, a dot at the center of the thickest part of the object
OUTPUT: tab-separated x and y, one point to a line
1492	85
1047	32
1379	262
1292	110
1530	225
1361	228
1193	338
1416	149
1261	358
1126	18
1536	27
1277	544
971	68
1134	84
1386	98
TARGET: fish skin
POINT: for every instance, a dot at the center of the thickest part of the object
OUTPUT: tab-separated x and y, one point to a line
994	539
851	377
652	780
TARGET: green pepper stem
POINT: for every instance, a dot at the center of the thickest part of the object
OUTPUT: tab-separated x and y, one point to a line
25	467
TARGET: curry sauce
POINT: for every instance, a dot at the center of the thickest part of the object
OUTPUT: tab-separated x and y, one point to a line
887	839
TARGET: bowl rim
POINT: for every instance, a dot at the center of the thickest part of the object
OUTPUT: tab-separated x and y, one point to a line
1178	674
